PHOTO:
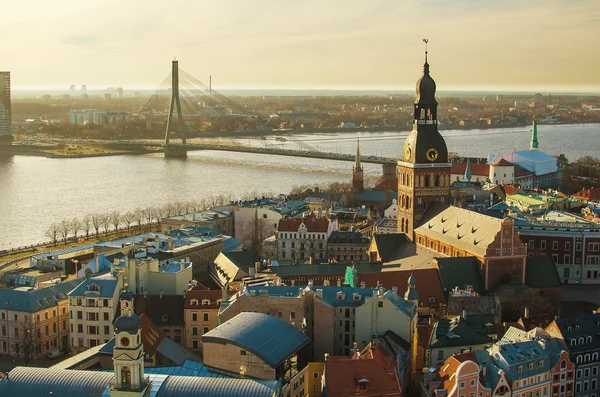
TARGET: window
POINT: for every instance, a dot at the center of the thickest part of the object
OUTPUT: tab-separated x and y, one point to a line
380	304
555	258
194	330
520	369
532	244
578	246
594	247
106	330
315	375
243	352
567	246
194	344
567	259
440	355
543	244
204	330
205	316
79	328
292	316
554	245
194	316
472	382
462	385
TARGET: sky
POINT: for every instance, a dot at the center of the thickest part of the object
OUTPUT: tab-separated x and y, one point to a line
538	45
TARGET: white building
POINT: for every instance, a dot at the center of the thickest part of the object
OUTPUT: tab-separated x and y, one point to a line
304	238
92	308
391	212
502	172
255	224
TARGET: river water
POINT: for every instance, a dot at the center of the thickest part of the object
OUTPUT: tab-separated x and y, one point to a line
36	191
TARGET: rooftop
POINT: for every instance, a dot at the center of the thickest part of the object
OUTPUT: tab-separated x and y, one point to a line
106	286
31	300
342	237
269	338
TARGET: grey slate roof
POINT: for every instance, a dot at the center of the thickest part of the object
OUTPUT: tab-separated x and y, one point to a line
267	337
242	259
456	332
38	299
106	282
183	386
541	273
574	328
34	382
460	272
388	243
312	270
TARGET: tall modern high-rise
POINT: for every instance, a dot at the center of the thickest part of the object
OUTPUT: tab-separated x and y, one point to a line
5	108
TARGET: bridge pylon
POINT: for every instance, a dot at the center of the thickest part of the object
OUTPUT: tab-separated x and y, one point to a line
175	151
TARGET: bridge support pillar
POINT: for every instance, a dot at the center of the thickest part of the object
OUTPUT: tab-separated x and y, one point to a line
174	151
389	171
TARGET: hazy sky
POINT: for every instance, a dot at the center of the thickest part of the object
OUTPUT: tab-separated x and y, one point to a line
514	44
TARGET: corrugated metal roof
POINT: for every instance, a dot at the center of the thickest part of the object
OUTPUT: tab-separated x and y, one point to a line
183	386
34	382
271	339
69	250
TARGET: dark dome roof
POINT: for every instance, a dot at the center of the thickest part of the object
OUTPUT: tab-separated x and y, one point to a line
127	324
126	295
426	88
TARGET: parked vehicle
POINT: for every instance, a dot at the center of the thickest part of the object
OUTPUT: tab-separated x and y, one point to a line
54	353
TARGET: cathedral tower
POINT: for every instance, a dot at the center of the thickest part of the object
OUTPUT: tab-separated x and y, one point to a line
424	171
357	172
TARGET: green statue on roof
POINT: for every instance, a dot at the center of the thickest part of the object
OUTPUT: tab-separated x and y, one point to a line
351	277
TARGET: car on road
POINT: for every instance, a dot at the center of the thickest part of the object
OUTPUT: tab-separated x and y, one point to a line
54	353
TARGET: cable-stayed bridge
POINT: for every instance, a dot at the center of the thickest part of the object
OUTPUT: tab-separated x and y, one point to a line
182	95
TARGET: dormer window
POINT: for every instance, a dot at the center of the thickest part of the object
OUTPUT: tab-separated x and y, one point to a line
363	384
341	296
588	339
194	302
93	287
205	301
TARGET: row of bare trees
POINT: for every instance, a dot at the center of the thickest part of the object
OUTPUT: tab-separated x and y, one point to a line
98	223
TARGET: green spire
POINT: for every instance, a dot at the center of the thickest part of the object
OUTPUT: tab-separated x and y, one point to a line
351	277
468	172
534	140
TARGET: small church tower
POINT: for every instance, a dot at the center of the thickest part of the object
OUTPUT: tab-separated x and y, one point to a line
411	294
357	172
534	139
128	353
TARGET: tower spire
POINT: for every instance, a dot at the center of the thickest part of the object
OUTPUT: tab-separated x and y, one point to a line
357	172
357	166
468	175
534	140
426	66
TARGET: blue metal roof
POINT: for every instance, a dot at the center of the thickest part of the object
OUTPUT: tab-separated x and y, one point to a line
271	339
345	297
107	283
292	206
37	299
183	386
69	250
511	356
189	368
34	382
231	244
277	290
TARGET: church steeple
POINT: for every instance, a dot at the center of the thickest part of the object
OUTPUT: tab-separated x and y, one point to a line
534	139
468	172
357	171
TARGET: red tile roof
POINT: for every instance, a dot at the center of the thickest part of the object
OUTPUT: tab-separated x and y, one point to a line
476	169
343	374
449	368
508	189
588	194
428	283
313	224
388	184
152	336
501	162
212	295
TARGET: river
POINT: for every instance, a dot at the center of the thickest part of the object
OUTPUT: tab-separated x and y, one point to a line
36	191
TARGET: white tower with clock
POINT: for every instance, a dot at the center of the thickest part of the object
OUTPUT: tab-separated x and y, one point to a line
128	353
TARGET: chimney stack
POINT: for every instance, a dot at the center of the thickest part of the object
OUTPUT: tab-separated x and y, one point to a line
363	285
339	282
395	290
161	293
526	312
464	314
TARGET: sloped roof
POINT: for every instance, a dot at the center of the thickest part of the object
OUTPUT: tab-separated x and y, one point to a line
342	375
344	237
107	284
541	273
326	268
388	184
212	295
428	284
501	162
242	259
37	299
38	382
388	243
460	272
472	304
162	311
312	223
463	229
446	374
588	194
476	169
267	337
508	189
455	332
580	327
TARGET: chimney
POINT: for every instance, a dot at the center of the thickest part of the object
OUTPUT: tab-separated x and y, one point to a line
263	292
470	289
326	356
293	282
252	292
339	282
170	243
161	293
395	290
526	312
464	314
363	285
310	283
256	267
320	293
251	272
223	294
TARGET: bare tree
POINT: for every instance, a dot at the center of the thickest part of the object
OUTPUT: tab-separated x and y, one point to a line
149	215
97	222
64	227
105	222
76	226
115	219
29	340
138	215
254	233
86	225
128	219
52	233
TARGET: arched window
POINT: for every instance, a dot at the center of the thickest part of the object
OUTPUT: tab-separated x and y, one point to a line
573	342
402	225
563	364
588	339
426	180
581	340
125	376
595	357
587	358
437	180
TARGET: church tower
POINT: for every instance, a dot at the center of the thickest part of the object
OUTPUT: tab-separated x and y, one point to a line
424	171
128	353
357	172
534	139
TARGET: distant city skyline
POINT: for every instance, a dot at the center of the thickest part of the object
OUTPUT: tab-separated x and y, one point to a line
537	45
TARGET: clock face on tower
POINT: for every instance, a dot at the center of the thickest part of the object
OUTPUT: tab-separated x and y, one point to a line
431	154
407	153
125	341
